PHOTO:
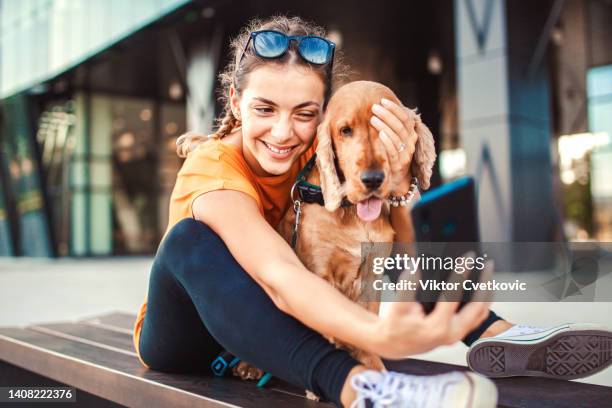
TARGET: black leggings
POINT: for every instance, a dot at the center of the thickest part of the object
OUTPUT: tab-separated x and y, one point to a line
200	301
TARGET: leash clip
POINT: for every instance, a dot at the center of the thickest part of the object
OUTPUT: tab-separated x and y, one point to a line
297	208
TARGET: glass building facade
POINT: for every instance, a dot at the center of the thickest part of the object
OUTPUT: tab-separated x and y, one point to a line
80	162
599	88
43	38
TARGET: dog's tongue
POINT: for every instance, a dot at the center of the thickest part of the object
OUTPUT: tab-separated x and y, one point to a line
369	210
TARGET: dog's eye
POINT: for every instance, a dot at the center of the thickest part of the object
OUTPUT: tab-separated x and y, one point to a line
346	131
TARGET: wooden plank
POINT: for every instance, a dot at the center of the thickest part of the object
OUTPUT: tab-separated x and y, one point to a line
16	376
117	320
110	331
524	392
96	335
129	383
106	337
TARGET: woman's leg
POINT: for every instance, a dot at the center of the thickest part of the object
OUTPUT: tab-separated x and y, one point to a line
480	330
173	337
200	298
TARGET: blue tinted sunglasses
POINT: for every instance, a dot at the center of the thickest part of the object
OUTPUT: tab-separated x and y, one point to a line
273	44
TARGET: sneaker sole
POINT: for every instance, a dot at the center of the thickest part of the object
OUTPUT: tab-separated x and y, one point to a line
564	355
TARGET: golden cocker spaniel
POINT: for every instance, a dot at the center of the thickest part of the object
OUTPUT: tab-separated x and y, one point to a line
353	172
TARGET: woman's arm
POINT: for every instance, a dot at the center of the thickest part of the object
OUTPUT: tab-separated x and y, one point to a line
402	221
271	262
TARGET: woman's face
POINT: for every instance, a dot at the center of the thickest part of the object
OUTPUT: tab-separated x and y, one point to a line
280	109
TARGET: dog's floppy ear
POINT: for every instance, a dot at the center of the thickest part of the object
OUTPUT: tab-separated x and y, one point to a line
330	183
424	153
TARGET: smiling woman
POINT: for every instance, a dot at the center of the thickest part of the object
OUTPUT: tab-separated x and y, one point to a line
223	278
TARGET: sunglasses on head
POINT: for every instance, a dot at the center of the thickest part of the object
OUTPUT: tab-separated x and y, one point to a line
273	44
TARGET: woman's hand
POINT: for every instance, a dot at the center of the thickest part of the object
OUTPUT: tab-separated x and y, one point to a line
406	329
396	129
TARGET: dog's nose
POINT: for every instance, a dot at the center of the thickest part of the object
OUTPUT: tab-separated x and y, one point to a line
372	179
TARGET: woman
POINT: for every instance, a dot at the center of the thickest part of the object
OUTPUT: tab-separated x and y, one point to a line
224	279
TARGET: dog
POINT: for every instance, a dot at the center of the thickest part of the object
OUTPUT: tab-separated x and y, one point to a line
329	236
328	239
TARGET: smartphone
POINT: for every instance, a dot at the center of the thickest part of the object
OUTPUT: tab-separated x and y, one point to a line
445	222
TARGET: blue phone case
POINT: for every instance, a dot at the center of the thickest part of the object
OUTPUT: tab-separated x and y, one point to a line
447	214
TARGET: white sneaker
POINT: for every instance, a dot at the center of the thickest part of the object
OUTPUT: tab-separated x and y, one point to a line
567	352
396	390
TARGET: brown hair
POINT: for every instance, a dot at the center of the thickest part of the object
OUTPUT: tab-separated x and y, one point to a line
236	74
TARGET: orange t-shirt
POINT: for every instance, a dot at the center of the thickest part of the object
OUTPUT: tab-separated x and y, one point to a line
216	165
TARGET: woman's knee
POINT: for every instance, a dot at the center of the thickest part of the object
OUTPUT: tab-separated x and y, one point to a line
186	229
186	234
191	248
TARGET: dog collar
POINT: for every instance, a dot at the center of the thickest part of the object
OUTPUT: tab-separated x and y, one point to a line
308	192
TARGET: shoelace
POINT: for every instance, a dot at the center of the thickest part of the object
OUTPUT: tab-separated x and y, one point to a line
389	388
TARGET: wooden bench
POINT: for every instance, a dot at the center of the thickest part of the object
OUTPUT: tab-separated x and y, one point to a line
96	356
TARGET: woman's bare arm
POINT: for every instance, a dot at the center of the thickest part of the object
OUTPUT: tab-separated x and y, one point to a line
402	222
271	262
